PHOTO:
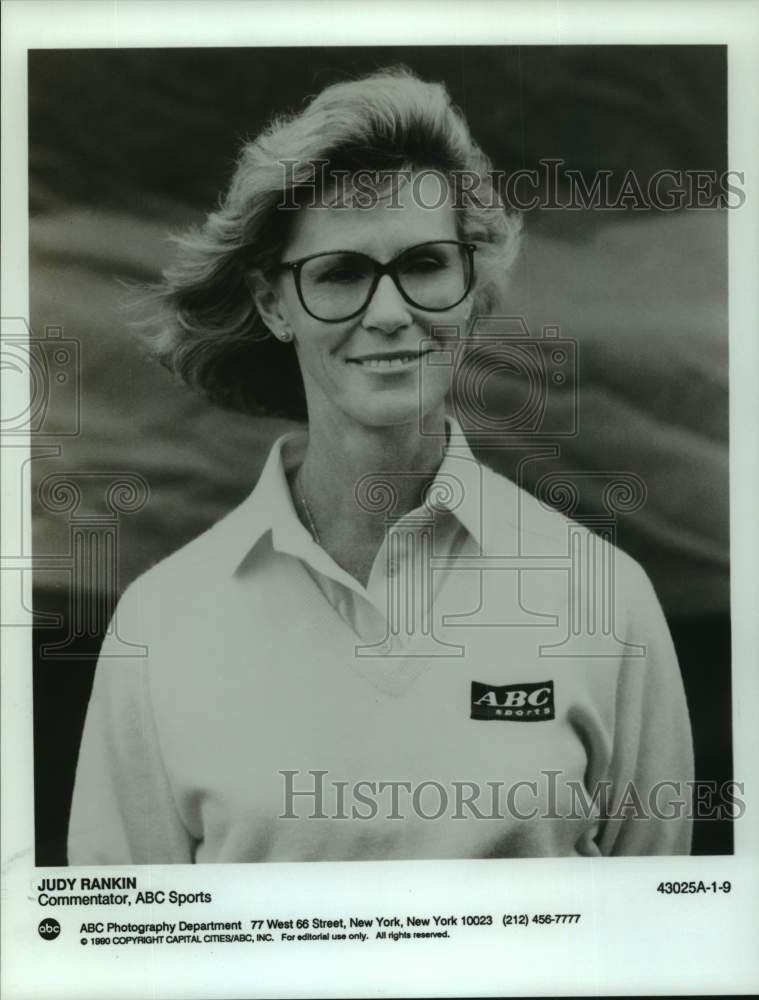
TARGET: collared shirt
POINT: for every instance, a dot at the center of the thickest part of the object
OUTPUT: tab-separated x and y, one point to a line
398	574
254	702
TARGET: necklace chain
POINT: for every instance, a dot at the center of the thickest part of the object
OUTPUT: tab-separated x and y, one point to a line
304	503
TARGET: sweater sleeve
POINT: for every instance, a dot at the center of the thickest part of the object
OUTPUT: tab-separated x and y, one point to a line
652	759
123	811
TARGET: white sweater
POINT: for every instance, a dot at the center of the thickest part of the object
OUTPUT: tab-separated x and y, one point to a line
541	666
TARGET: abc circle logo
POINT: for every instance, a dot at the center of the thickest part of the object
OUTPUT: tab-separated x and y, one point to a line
49	929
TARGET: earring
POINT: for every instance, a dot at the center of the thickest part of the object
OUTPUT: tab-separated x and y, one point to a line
286	336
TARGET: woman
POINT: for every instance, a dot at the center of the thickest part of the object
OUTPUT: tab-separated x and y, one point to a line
372	657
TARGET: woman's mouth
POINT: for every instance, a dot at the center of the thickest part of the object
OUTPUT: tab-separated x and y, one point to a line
387	362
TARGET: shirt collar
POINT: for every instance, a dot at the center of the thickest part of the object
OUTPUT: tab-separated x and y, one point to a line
269	509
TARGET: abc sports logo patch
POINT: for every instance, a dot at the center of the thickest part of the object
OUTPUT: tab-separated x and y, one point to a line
513	702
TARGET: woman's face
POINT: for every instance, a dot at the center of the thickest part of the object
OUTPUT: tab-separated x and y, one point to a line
375	368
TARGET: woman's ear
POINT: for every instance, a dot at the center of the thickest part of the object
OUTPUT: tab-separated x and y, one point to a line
269	304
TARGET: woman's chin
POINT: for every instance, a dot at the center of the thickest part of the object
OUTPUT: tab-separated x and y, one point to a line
393	410
379	406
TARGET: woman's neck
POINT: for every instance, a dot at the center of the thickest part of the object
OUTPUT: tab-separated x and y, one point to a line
343	473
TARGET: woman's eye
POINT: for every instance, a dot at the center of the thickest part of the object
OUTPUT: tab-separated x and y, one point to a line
422	265
342	273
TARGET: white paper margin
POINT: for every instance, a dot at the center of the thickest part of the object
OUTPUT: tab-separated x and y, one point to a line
633	940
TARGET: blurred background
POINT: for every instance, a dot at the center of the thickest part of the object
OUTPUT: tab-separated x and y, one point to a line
126	146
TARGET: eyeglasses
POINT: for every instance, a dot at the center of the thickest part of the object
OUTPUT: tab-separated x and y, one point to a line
337	286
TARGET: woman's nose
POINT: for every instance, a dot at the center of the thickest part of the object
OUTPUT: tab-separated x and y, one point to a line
387	310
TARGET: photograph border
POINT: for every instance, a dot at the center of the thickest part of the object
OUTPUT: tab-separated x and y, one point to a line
626	918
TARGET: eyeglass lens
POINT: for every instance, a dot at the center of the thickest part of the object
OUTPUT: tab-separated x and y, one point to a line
434	276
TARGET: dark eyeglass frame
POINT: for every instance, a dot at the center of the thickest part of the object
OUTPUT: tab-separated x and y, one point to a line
380	270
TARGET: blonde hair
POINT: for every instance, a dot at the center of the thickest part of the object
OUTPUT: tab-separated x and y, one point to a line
207	329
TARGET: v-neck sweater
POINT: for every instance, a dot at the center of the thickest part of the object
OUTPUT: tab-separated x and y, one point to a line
253	702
